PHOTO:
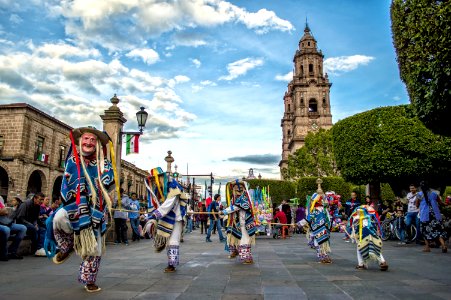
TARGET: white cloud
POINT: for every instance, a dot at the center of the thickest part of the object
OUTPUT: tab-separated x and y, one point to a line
6	42
196	62
117	24
181	78
64	50
287	77
264	21
15	19
342	64
188	40
241	67
149	56
208	82
71	90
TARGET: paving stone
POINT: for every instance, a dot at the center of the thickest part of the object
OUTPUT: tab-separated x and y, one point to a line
282	269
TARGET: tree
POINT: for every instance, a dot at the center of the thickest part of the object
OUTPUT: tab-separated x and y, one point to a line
315	159
390	144
421	36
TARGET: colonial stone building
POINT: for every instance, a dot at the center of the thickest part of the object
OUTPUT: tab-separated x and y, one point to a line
306	101
33	148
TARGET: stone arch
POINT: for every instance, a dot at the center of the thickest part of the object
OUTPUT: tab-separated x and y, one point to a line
36	182
312	105
56	189
4	182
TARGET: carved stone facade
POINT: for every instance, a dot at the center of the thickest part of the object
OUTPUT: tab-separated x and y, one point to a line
307	100
33	147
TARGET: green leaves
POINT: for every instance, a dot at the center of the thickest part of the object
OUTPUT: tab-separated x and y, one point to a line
316	158
421	36
387	144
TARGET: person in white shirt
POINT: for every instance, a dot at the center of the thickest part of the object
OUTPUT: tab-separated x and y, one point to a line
412	211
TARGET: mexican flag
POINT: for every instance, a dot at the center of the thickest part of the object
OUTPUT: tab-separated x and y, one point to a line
132	143
44	158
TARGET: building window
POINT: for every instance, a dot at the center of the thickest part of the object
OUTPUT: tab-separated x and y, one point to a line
1	142
302	70
308	43
312	106
289	107
39	149
310	68
61	157
289	132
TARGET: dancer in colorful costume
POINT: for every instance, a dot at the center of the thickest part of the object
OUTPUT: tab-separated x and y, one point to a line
80	223
167	206
241	226
319	227
366	230
334	202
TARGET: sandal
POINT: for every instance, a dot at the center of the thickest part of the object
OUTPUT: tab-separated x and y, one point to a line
92	288
169	269
383	266
61	257
360	267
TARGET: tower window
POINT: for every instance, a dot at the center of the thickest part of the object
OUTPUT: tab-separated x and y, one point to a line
312	105
302	70
289	107
308	43
310	68
289	132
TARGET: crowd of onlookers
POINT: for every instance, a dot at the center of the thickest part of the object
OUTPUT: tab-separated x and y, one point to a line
22	219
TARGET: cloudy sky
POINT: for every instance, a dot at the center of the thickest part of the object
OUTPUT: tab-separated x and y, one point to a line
211	73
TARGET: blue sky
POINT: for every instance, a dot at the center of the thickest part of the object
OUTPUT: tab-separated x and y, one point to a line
211	73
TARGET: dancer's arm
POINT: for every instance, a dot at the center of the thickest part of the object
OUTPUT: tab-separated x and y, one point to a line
164	208
232	208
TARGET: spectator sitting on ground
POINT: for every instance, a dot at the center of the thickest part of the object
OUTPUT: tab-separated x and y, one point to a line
44	213
55	204
28	215
15	203
5	230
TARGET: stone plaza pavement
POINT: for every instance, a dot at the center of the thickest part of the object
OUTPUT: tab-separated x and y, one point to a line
283	269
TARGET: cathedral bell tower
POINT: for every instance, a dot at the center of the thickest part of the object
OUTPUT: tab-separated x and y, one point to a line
307	102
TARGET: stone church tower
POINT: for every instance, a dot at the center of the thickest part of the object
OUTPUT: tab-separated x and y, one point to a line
307	102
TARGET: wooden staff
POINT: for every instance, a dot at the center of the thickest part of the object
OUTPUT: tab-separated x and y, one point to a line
201	213
292	224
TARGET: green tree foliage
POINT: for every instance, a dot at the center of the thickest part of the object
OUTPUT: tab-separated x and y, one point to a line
389	144
278	189
387	192
315	159
421	36
306	186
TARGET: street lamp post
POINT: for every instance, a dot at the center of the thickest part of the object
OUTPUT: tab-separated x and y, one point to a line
141	117
113	122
